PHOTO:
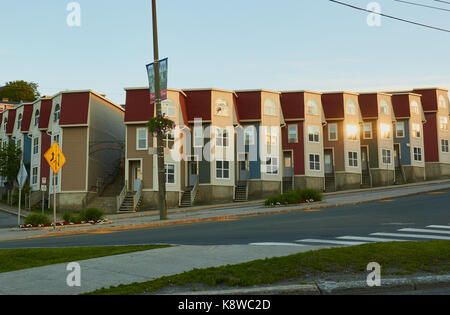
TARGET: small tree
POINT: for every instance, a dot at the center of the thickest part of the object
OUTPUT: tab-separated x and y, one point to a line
17	91
10	157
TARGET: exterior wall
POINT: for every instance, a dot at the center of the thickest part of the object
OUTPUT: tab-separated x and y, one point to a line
345	181
443	111
384	143
414	174
298	148
349	144
405	143
132	154
337	146
75	149
302	182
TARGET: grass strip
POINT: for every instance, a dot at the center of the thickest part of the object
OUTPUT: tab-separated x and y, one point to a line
395	258
18	259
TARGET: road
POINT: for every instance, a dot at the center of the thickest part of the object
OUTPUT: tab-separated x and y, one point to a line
407	218
7	220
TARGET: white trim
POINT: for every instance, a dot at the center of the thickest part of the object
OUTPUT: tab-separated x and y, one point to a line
137	139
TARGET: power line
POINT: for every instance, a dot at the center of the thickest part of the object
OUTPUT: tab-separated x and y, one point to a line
423	5
442	1
391	17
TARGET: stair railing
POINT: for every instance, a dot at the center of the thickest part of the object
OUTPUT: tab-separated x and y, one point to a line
121	197
137	195
194	191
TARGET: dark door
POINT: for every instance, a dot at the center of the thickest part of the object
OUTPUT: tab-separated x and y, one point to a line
364	159
288	165
244	168
193	172
329	168
397	155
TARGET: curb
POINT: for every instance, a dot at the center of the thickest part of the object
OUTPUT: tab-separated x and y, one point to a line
328	288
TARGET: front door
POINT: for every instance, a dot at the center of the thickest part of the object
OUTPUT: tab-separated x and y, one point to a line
364	159
136	175
397	155
329	169
193	172
243	167
288	165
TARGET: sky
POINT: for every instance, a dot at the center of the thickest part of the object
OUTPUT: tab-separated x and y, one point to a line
233	44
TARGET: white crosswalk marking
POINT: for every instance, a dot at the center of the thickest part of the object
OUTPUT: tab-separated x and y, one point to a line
433	237
370	239
439	226
424	231
330	242
275	244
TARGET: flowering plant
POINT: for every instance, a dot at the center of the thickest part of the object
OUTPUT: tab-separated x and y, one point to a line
160	124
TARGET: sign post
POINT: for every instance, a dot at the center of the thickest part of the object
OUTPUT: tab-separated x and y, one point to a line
21	178
43	190
56	159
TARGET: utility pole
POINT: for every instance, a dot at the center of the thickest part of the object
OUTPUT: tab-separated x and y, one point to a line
159	136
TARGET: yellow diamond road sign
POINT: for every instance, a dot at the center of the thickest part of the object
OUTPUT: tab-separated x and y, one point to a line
55	157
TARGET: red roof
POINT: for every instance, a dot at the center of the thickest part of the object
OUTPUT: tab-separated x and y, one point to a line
26	118
198	104
11	121
74	108
293	105
44	113
429	99
368	103
137	106
400	103
333	105
249	105
184	109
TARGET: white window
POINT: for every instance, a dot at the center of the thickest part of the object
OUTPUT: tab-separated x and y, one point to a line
142	139
35	145
444	145
221	137
367	133
35	176
57	113
19	121
418	154
386	154
169	140
221	108
416	130
222	169
271	135
353	159
249	134
352	132
270	108
198	137
292	134
36	118
313	134
168	108
385	131
400	129
272	165
314	162
351	108
312	108
384	107
444	123
170	173
414	107
442	102
332	132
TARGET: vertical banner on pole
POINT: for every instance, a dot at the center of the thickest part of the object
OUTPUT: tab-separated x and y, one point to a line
163	74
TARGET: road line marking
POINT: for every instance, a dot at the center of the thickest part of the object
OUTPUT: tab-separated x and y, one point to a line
412	236
330	242
387	200
370	239
439	226
436	193
424	231
275	244
311	210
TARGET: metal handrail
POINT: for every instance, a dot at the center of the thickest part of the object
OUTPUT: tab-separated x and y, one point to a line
137	195
194	191
121	197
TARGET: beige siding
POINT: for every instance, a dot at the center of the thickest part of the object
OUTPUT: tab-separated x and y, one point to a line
73	173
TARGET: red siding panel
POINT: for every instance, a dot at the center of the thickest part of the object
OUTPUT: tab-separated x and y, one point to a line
368	103
11	121
44	113
333	105
198	104
74	109
297	148
45	145
249	105
429	99
293	105
137	106
26	118
430	138
400	103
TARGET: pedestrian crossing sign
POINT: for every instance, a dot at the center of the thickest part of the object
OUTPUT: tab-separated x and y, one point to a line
55	158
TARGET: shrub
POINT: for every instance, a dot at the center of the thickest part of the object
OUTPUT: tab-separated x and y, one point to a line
311	194
37	218
91	214
70	217
294	197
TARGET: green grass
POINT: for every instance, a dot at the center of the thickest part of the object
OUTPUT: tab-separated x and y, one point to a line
396	258
17	259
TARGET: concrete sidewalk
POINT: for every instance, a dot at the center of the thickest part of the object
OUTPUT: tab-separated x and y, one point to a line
135	267
229	211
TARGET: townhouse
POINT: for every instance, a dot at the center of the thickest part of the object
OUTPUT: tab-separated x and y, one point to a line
409	138
141	174
20	131
341	138
435	104
89	130
377	139
260	154
303	150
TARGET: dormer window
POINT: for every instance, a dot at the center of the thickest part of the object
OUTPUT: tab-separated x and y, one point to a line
414	107
57	113
221	108
442	102
19	121
384	107
270	108
351	108
168	108
36	117
313	108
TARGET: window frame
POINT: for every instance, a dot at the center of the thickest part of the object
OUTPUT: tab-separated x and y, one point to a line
315	162
35	145
444	146
249	131
364	131
353	158
222	169
168	104
36	117
222	134
315	106
383	156
443	125
313	134
270	108
34	177
138	139
167	173
195	144
350	108
329	132
169	143
272	168
401	123
416	133
384	108
292	140
418	152
57	113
